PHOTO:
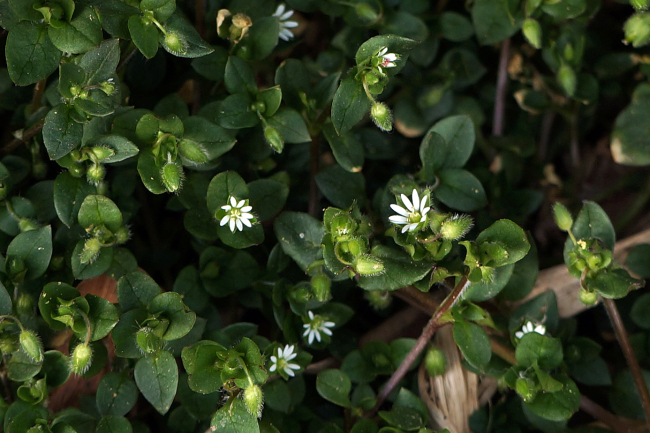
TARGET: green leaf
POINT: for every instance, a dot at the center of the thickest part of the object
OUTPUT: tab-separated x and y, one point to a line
116	394
70	75
182	39
341	187
271	97
565	10
239	77
456	27
235	112
170	306
400	270
157	378
123	334
262	37
34	248
291	126
484	290
213	138
624	397
100	63
494	21
334	386
114	15
394	44
30	54
21	367
592	222
97	210
144	35
629	140
103	317
299	235
61	134
508	236
84	271
473	342
448	144
122	147
461	190
48	302
56	368
81	34
136	290
557	406
350	104
234	418
594	372
293	79
523	276
5	301
638	260
536	349
347	149
162	9
267	196
113	424
150	172
613	283
213	65
403	418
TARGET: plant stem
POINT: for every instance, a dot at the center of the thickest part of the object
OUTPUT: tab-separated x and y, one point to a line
422	301
428	331
314	155
39	89
32	131
616	423
502	87
630	356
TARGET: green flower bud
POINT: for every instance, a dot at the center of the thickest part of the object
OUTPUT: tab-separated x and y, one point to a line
102	152
366	12
254	400
193	151
27	224
342	226
273	138
456	227
637	29
90	250
77	170
108	87
588	298
382	116
258	106
533	32
147	340
122	235
639	5
346	251
95	174
320	286
435	362
81	358
368	265
526	389
174	43
172	176
15	267
84	94
562	216
378	299
566	76
75	90
301	294
8	343
25	305
371	78
31	344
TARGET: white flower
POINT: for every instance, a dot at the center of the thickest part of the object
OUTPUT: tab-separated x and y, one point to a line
413	215
237	214
281	361
285	23
387	60
316	325
528	328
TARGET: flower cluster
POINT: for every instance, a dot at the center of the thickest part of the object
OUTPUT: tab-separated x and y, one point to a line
315	326
530	327
413	215
237	214
280	362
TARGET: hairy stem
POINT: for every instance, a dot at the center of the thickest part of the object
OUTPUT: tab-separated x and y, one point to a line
630	356
502	87
428	331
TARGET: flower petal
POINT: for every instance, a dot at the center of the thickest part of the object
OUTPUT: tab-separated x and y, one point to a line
247	208
285	16
400	210
382	51
519	334
326	331
416	200
423	203
289	372
232	225
398	219
290	25
407	203
224	220
246	222
279	11
273	367
233	201
240	227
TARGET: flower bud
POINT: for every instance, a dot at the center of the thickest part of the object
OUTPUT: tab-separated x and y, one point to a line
254	400
90	250
525	388
25	305
566	76
456	227
382	116
588	298
533	32
273	138
637	29
15	266
108	87
346	251
193	151
75	90
435	362
95	174
301	294
371	78
368	265
81	358
562	217
174	44
172	176
147	341
8	343
102	152
342	226
366	12
31	344
378	299
320	286
77	170
27	224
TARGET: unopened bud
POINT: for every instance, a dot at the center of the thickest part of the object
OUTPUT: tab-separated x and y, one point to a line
637	29
25	305
368	265
533	32
27	224
8	343
81	358
77	170
455	227
382	116
588	298
31	344
254	400
525	388
562	217
15	266
95	174
193	151
174	44
378	299
566	76
90	250
348	250
172	176
122	235
102	152
147	341
435	362
320	286
108	87
273	138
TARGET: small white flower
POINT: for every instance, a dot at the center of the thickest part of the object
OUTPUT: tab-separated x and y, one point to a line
281	361
316	325
413	214
285	23
237	214
528	328
387	60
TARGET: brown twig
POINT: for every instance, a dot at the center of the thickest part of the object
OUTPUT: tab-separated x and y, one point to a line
29	133
39	89
422	301
616	423
630	356
502	87
428	331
